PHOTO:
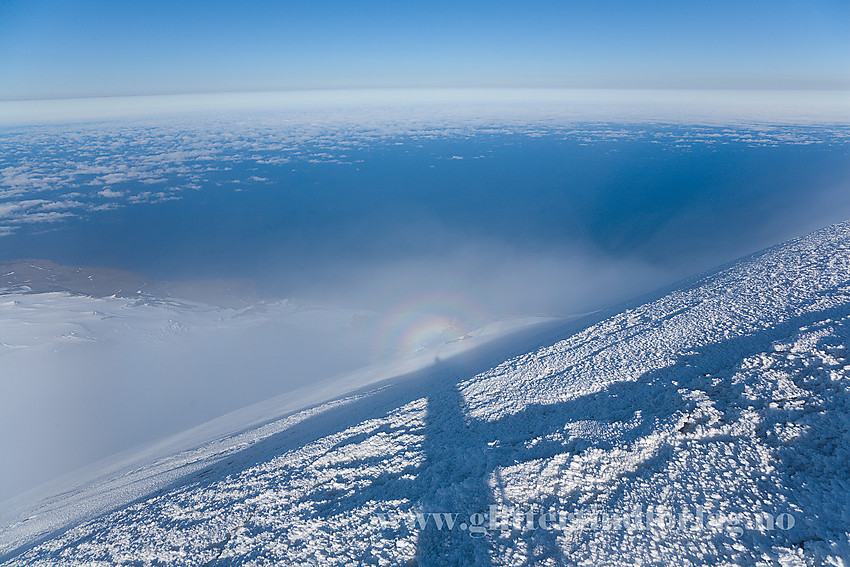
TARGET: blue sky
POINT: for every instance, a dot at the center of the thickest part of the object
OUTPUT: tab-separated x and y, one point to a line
52	48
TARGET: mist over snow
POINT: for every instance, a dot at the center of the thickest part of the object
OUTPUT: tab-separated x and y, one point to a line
708	422
375	225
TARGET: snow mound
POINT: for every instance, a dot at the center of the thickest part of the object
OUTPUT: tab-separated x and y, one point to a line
707	425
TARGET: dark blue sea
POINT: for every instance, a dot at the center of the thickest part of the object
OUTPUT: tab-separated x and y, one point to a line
454	212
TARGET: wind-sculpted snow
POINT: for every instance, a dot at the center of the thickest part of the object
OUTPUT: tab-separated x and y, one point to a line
709	425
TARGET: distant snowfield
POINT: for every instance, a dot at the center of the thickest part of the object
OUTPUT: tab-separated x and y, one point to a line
707	425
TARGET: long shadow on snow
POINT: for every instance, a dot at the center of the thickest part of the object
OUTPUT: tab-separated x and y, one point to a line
461	453
378	399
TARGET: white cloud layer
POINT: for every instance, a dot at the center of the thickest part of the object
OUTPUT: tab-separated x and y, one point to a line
646	105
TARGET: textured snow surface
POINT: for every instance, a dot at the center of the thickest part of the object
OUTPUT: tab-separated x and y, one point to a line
728	392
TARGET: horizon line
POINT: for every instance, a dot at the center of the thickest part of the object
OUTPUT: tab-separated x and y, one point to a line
432	88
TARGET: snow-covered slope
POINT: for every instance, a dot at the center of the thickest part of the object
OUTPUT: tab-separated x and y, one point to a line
708	425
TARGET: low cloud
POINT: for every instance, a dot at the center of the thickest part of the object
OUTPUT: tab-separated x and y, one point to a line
110	194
